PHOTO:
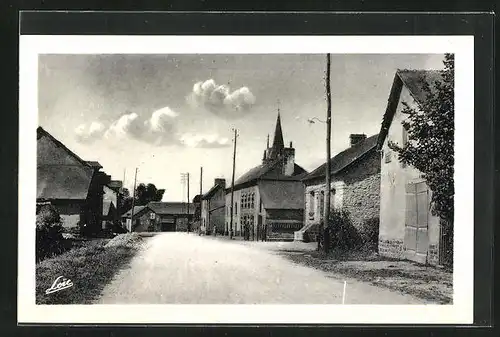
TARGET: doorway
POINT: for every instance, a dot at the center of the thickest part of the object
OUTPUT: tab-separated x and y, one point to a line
416	240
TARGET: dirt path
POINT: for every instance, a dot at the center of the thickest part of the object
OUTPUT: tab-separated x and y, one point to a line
188	269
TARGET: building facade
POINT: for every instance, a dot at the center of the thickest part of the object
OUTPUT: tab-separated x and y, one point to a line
268	199
408	230
74	186
213	207
355	188
159	216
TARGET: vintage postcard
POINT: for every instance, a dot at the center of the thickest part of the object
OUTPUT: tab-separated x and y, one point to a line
244	179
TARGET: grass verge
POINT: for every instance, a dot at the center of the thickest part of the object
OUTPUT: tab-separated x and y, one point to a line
426	282
89	268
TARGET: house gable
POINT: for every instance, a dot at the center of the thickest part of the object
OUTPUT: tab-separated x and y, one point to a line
61	174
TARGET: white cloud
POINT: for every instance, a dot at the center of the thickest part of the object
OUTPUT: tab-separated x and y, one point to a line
220	100
204	141
158	129
89	133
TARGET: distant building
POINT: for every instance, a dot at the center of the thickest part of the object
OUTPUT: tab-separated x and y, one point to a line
197	213
213	207
407	227
355	188
159	216
74	186
269	198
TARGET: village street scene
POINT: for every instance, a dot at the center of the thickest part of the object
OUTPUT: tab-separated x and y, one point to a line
245	179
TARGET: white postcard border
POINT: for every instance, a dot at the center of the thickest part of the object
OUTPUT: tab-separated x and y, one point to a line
461	311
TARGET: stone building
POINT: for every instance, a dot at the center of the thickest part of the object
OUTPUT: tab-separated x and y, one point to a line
212	208
74	186
268	199
159	216
407	228
355	188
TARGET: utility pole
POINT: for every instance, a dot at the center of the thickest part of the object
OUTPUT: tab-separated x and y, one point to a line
326	232
201	180
232	184
185	180
188	201
133	202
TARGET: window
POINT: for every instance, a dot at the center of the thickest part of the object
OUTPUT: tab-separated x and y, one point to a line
235	208
260	206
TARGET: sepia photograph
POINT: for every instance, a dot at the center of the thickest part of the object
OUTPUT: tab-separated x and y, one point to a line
244	178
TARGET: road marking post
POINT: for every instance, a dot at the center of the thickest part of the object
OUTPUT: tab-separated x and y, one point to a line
343	295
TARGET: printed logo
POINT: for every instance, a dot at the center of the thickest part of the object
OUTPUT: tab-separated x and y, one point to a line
60	283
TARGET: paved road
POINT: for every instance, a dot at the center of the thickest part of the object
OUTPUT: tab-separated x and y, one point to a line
188	269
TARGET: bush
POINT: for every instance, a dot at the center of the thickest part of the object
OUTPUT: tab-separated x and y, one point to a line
343	235
49	233
370	233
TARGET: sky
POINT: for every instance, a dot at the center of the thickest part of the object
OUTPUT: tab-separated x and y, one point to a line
171	114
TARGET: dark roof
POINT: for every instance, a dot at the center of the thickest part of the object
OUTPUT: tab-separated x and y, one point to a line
282	194
94	164
197	198
345	158
268	171
415	81
170	207
115	184
212	191
42	132
278	142
63	181
137	210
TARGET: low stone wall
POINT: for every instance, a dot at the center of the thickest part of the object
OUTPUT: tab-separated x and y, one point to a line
433	255
392	248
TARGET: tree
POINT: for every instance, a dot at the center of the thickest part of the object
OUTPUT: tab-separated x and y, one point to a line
143	195
146	193
430	146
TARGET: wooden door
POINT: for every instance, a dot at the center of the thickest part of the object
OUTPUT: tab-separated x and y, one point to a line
416	241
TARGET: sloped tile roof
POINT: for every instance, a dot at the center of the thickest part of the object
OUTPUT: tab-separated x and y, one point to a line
345	158
137	210
269	171
212	191
282	194
176	208
94	164
63	182
415	81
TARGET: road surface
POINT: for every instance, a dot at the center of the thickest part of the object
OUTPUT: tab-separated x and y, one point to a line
180	268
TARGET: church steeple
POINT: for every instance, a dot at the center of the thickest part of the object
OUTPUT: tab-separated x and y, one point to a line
278	143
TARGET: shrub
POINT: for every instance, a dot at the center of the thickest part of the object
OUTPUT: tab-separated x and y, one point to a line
370	233
343	235
49	230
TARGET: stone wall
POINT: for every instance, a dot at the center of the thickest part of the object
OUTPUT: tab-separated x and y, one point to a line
433	255
391	248
361	197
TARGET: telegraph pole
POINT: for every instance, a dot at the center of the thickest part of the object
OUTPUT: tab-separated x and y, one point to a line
133	202
232	184
188	200
326	232
185	179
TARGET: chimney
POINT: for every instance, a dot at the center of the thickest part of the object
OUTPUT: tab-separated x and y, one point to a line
356	138
220	181
291	145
